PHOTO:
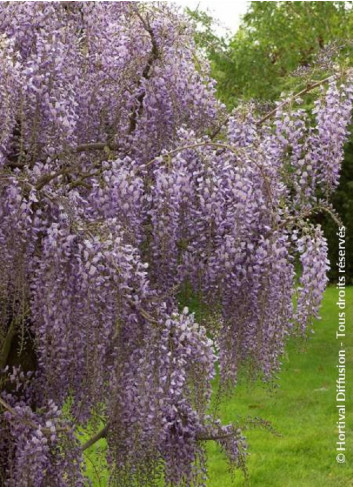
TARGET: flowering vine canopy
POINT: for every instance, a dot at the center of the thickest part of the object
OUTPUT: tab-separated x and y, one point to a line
123	183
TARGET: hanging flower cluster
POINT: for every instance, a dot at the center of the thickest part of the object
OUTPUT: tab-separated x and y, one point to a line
38	447
313	257
122	181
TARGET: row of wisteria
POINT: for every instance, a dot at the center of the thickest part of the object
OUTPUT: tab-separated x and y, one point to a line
123	181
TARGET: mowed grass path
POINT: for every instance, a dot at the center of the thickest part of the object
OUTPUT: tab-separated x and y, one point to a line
302	409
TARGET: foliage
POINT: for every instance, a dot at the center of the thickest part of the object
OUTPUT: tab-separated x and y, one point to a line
122	180
262	59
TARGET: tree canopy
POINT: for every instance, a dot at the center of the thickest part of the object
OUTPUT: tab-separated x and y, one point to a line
275	46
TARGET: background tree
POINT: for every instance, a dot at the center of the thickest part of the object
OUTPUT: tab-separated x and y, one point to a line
274	40
123	183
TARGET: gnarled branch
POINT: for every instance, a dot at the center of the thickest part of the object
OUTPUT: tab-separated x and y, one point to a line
146	74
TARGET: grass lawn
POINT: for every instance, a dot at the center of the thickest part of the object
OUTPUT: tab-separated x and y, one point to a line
302	410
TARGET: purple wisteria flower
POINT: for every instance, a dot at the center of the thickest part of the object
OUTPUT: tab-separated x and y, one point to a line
121	186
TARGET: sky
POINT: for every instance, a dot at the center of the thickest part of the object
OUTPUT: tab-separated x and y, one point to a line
228	12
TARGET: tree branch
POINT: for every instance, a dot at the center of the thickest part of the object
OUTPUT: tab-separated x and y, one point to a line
221	436
94	146
45	179
314	210
98	436
146	74
28	422
81	148
104	431
219	127
193	146
305	90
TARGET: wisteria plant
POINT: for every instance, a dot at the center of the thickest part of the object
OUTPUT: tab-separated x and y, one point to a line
122	183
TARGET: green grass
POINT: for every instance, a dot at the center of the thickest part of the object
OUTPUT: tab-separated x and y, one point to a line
301	409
